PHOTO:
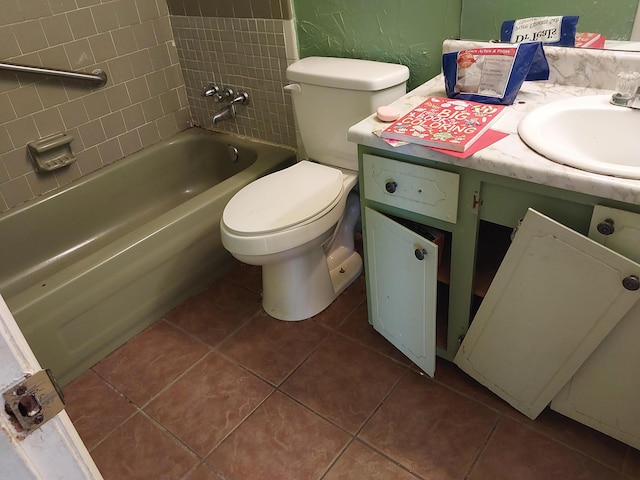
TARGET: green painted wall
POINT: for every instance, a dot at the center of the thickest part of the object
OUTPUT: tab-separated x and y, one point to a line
481	19
411	31
399	31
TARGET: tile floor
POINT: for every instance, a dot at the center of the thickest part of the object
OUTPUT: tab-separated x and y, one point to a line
218	390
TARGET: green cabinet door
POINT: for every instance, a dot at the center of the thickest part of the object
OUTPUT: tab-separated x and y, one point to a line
403	271
555	297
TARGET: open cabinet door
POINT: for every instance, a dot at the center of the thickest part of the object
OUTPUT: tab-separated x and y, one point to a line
52	451
605	392
403	291
555	297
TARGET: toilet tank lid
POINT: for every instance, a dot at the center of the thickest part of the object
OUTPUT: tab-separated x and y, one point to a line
347	73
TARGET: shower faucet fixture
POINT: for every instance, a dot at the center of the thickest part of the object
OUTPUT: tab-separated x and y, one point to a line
218	94
229	111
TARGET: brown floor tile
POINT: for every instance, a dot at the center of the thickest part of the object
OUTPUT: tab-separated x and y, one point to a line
139	449
232	297
632	463
360	462
249	276
344	381
208	402
201	318
450	375
95	408
576	436
515	452
357	327
429	429
337	312
424	429
273	348
281	440
203	472
146	364
595	444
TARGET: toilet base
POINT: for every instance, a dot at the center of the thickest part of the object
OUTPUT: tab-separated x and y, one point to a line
301	288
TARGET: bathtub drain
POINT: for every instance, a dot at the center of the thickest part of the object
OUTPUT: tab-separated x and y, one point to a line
232	153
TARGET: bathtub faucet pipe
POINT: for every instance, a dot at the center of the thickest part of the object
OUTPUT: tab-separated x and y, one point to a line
229	111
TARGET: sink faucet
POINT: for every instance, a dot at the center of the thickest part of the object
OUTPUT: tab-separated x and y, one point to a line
229	111
628	87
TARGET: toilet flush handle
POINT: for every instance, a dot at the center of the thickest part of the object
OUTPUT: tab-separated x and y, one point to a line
293	88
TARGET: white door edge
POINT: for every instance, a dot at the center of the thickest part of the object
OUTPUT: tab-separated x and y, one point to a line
53	451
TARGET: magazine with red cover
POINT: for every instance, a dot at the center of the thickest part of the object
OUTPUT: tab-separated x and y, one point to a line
446	123
590	40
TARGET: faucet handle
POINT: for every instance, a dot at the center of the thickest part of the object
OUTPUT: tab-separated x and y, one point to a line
210	90
223	95
241	98
627	84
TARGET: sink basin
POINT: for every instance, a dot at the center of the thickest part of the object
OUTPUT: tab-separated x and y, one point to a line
586	133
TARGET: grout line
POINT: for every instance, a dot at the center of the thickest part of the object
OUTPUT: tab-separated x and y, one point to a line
483	448
110	432
240	423
338	456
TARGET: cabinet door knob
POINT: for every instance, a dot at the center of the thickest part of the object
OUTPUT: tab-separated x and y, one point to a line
391	186
420	253
631	283
606	227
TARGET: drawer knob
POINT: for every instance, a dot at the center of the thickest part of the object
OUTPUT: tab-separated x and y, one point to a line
391	187
606	227
631	283
420	253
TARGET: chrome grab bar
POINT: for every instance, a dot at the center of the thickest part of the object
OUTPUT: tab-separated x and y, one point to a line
97	77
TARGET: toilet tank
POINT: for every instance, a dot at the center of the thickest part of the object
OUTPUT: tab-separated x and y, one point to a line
332	94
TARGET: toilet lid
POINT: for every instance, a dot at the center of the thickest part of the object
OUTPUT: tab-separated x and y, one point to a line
283	199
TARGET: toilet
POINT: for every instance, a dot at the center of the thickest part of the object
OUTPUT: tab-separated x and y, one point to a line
298	223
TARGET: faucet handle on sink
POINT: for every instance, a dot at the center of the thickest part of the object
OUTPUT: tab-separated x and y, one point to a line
628	89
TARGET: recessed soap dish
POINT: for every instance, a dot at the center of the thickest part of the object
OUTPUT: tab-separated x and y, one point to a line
52	152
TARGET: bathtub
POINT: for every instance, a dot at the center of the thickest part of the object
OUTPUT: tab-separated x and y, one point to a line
88	266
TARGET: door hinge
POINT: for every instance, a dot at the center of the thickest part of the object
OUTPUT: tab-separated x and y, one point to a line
33	401
477	201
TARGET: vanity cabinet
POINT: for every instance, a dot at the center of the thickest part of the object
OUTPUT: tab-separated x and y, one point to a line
529	308
401	254
555	297
605	392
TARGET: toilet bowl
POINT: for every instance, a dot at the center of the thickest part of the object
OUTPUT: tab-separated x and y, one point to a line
299	223
302	237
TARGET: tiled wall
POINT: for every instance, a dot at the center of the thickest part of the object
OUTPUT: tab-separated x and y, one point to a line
243	54
244	45
144	100
272	9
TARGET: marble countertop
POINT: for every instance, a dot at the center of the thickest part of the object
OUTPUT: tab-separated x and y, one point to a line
509	157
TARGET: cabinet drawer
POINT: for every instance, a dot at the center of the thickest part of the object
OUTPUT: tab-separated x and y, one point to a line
415	188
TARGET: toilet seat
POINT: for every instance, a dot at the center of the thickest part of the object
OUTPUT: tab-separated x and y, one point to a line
283	200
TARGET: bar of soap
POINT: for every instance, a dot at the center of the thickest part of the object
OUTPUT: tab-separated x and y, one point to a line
388	114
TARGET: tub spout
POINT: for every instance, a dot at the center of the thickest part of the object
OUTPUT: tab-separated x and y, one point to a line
230	110
224	113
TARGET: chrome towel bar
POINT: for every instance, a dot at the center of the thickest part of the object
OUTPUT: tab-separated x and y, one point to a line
97	77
